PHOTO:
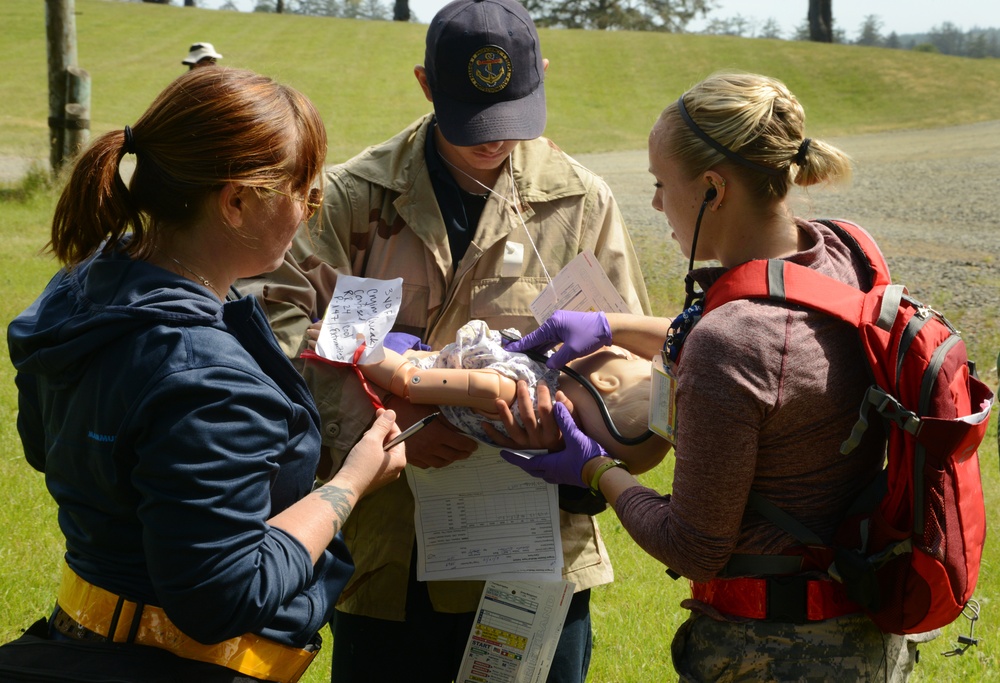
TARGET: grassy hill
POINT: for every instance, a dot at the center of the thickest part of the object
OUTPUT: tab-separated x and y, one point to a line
604	89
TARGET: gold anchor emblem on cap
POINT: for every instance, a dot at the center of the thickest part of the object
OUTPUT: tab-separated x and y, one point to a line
491	78
490	69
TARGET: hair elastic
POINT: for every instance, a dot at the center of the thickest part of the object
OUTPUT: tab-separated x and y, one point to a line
722	149
800	156
129	141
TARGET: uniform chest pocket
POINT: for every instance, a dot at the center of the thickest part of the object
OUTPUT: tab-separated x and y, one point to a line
507	300
412	317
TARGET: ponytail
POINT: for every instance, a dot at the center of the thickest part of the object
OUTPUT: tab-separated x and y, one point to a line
94	208
756	123
208	128
819	162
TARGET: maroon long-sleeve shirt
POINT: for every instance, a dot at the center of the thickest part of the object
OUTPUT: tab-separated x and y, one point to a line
766	394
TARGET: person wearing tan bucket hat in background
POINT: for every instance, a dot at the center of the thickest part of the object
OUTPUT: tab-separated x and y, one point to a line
201	54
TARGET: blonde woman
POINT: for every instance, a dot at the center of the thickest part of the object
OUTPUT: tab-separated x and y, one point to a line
765	395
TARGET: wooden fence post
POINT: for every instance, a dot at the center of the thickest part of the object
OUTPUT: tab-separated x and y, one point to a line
60	34
77	130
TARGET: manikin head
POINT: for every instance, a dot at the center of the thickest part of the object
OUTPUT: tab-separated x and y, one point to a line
623	380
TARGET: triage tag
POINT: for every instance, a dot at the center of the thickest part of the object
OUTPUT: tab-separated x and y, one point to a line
663	400
361	312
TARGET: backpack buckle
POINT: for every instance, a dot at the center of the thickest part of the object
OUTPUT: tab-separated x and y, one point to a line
891	409
886	406
787	599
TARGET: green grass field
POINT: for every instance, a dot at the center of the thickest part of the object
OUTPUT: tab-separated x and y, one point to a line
604	91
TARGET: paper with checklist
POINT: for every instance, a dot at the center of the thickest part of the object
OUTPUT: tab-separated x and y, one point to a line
481	517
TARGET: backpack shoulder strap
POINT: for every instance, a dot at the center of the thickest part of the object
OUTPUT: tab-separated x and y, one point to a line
783	281
799	531
861	243
772	565
788	282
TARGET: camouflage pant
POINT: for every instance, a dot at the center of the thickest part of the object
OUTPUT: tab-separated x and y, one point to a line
849	648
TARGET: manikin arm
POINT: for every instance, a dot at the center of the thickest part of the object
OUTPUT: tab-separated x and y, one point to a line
476	389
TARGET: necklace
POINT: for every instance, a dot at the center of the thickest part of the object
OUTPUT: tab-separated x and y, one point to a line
514	202
198	277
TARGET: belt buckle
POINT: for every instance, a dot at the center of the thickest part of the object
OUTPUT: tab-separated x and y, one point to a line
71	628
787	599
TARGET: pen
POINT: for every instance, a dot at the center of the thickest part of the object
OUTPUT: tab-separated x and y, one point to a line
527	453
411	430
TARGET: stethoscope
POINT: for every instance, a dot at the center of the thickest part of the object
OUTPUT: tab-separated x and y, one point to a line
692	297
602	407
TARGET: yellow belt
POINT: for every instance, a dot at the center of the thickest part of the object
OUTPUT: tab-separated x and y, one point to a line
96	609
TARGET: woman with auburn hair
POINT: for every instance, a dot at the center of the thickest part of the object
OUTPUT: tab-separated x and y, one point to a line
176	438
764	393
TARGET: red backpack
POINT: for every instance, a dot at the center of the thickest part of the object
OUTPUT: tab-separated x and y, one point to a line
909	550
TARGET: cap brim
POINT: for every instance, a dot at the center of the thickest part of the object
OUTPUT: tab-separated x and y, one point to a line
198	56
467	124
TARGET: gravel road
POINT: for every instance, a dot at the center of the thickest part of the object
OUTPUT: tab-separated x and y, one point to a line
925	195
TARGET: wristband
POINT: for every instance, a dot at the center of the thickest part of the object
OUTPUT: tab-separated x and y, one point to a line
601	469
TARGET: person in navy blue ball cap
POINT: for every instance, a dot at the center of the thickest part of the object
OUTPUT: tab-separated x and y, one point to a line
474	210
485	73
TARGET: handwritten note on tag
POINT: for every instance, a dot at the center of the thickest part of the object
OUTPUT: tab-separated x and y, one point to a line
361	311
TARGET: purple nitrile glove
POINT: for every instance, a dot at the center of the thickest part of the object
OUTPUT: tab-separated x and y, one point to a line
580	333
401	341
565	466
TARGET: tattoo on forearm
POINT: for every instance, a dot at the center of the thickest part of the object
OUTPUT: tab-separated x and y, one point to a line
338	498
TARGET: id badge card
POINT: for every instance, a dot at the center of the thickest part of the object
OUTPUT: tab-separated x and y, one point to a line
663	400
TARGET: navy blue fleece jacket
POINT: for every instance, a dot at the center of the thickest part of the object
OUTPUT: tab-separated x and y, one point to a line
170	428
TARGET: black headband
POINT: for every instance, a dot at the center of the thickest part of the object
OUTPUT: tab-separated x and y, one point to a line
721	149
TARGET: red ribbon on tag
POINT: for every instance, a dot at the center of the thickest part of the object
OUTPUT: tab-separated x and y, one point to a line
309	354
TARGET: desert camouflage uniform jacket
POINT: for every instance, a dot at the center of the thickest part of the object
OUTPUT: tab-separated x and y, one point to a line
380	219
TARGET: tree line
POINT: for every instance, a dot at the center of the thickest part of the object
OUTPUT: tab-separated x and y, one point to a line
946	38
674	16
